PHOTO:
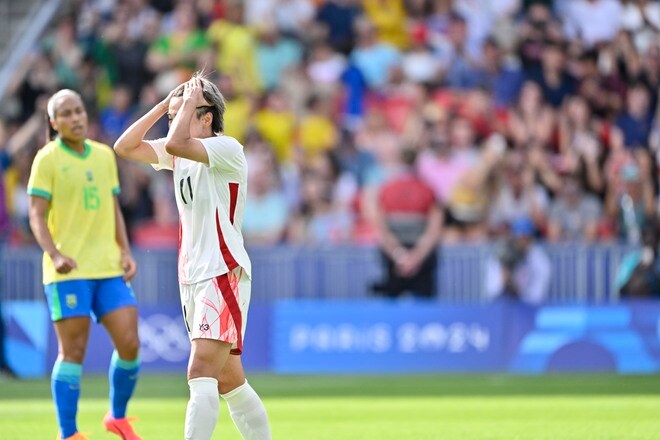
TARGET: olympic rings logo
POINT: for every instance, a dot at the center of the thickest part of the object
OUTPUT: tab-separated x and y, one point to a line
163	337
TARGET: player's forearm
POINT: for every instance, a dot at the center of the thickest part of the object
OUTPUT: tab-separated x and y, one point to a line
121	235
132	138
179	133
42	235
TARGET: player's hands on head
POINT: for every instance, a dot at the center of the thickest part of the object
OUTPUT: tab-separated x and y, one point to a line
165	103
64	264
194	91
129	266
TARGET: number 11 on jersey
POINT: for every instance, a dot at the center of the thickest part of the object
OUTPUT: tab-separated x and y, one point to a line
182	184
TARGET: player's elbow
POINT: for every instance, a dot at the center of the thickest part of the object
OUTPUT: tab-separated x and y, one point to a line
121	148
171	147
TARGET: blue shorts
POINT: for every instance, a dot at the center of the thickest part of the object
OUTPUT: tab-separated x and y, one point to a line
70	298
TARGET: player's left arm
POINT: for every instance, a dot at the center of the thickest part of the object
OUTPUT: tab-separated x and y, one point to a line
128	263
179	143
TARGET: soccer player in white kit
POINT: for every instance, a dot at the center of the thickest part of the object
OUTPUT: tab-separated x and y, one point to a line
210	180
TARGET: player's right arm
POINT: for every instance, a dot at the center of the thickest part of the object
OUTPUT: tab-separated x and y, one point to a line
38	210
131	144
40	189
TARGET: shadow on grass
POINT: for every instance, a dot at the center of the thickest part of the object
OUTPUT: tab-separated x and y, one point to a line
282	386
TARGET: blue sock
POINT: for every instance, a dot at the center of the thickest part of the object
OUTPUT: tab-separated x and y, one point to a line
65	385
123	376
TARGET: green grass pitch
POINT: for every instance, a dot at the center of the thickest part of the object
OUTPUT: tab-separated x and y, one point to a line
372	408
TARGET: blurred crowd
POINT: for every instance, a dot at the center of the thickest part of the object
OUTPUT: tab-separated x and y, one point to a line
544	110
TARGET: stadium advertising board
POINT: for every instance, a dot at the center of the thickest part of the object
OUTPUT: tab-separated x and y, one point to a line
348	337
27	326
378	337
368	337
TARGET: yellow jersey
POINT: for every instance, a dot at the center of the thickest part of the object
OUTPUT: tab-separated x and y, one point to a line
81	189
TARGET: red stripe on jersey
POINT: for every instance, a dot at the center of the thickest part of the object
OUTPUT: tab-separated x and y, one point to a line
224	250
229	296
233	198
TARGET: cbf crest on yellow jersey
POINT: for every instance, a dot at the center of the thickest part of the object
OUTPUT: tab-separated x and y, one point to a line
81	218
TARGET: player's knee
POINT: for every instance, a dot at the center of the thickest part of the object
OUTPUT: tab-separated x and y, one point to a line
74	351
129	348
202	366
228	383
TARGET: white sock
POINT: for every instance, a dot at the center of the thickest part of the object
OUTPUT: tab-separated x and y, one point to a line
248	413
202	411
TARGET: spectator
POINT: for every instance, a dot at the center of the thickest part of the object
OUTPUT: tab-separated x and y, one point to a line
235	49
179	52
36	77
637	119
517	195
295	17
239	108
317	132
521	271
65	53
638	275
630	201
458	58
320	220
277	124
139	16
593	21
466	209
447	158
325	66
127	55
537	27
642	19
574	215
552	76
500	74
531	120
374	58
419	64
579	143
482	16
408	221
275	54
602	89
266	208
389	19
116	118
338	19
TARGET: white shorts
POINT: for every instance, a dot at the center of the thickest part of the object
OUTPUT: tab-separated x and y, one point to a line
217	308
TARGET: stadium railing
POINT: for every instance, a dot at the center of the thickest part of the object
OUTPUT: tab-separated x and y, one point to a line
581	274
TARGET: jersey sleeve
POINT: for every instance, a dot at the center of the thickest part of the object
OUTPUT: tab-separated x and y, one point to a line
114	176
41	177
224	152
165	160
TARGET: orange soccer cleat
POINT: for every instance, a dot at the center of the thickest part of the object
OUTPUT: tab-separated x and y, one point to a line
121	427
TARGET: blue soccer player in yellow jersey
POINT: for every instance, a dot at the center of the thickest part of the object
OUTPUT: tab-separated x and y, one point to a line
87	263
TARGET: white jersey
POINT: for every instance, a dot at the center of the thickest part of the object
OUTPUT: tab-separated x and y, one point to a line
211	200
